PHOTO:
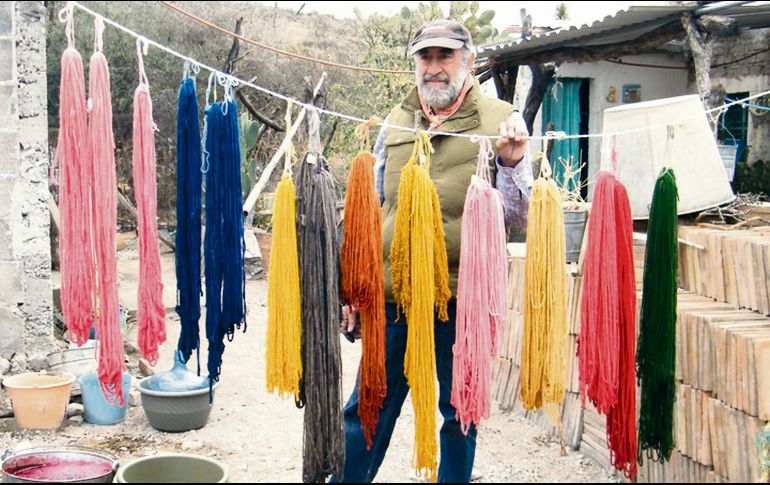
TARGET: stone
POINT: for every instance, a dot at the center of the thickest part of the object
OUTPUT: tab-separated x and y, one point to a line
11	338
191	445
6	14
19	364
7	63
6	241
145	368
75	409
9	152
6	407
38	362
5	366
7	186
134	398
8	103
75	420
130	349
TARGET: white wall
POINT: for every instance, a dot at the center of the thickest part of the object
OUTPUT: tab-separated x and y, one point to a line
655	84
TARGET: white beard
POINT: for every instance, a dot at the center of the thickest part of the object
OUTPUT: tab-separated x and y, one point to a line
441	97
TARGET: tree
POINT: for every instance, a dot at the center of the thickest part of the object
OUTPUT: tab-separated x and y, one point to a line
562	12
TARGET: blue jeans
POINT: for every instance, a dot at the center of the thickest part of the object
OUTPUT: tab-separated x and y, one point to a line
457	450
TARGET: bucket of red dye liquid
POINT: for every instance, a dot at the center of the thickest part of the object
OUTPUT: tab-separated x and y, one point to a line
59	465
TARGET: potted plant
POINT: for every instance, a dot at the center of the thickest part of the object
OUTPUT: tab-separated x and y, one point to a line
575	208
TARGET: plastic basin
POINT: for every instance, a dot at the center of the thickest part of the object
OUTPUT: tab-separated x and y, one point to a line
176	412
97	409
173	469
39	399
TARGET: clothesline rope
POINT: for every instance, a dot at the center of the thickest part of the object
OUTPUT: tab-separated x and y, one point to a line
358	120
276	50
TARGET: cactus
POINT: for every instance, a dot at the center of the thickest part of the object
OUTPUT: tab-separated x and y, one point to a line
250	132
467	13
486	17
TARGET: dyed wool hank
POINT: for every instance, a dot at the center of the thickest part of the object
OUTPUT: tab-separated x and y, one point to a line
363	285
284	322
481	304
420	287
545	302
621	420
105	213
598	343
151	312
188	216
76	170
320	389
656	352
224	247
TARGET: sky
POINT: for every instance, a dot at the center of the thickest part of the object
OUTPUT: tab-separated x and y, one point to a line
507	13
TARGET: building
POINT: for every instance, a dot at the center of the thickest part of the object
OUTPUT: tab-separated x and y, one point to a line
569	76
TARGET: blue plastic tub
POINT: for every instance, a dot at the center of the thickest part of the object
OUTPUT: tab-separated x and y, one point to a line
97	410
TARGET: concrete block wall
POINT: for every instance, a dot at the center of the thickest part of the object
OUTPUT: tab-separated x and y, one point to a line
26	316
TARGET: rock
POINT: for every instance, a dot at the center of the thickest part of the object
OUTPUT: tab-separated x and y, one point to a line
75	420
6	407
134	398
5	366
130	349
145	368
19	364
191	445
38	362
75	410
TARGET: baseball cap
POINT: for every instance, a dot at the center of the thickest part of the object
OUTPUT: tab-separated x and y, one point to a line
441	33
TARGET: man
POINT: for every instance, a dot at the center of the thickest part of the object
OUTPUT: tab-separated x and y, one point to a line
447	99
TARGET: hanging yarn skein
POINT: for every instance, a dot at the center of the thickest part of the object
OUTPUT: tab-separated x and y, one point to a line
188	217
607	341
598	342
363	284
545	300
224	247
420	287
76	170
320	389
621	420
656	352
284	314
105	221
150	313
481	291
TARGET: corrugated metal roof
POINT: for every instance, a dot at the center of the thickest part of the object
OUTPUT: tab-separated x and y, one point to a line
624	25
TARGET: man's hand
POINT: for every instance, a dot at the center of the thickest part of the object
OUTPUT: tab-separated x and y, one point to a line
512	147
350	323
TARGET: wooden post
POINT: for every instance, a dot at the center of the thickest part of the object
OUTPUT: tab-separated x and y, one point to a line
251	200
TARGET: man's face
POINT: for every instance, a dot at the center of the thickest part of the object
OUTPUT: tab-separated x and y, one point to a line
440	74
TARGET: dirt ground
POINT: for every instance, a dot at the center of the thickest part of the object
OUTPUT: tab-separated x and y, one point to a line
259	436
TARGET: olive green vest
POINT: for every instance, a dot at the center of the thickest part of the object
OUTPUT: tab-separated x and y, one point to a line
452	165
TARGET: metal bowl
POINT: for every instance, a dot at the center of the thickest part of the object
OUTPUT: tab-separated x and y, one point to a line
59	465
